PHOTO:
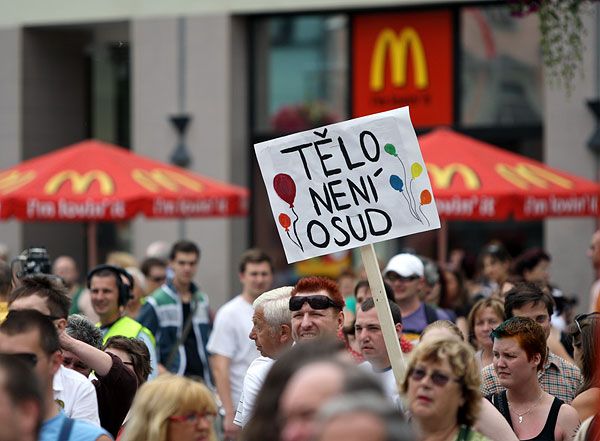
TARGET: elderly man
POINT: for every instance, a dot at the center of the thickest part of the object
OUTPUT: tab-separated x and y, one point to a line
405	272
372	346
33	336
272	335
317	309
557	376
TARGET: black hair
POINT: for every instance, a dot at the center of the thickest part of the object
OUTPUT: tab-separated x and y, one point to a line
47	286
369	304
151	262
529	259
524	293
184	246
26	320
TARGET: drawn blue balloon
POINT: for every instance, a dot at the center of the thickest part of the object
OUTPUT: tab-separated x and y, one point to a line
396	183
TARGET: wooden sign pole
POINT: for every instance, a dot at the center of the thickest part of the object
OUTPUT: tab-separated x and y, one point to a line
384	314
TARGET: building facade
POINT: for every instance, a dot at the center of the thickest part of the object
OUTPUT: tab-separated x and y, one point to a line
246	73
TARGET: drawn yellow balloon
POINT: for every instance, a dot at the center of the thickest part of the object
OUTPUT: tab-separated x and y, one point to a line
416	169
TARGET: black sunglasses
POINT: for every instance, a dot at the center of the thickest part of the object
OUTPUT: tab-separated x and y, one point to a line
315	302
437	378
393	277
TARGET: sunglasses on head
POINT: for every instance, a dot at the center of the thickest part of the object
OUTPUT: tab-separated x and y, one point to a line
315	302
437	378
393	277
580	317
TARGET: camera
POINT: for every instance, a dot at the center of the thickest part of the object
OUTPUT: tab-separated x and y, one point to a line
32	260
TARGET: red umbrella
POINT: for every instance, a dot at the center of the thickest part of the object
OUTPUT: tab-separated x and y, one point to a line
472	180
94	181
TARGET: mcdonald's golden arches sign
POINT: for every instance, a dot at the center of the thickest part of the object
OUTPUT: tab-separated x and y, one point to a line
404	59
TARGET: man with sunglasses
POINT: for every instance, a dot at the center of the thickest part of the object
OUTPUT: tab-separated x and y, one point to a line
31	336
317	309
47	295
557	376
404	272
155	272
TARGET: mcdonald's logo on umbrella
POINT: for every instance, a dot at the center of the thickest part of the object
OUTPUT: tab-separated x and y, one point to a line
80	182
94	181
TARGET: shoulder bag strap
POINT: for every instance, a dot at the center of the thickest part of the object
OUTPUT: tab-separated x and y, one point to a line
187	326
65	430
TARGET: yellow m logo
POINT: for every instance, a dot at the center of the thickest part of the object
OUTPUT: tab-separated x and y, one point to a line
442	176
157	179
13	180
526	175
397	46
80	183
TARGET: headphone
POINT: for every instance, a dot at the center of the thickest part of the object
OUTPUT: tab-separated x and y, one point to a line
123	288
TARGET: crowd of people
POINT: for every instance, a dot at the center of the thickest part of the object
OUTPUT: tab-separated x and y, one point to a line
136	353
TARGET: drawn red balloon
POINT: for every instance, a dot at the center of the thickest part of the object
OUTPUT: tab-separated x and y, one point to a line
425	197
285	221
285	187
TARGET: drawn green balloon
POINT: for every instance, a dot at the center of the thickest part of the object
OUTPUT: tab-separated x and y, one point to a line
390	149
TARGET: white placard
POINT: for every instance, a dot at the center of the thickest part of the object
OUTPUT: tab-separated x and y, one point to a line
348	184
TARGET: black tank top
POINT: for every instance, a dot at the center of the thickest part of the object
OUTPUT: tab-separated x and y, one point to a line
500	401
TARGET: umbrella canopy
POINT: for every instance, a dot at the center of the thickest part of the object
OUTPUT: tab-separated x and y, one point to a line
96	181
472	180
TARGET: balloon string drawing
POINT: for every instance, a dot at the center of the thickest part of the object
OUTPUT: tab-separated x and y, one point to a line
397	183
286	222
285	187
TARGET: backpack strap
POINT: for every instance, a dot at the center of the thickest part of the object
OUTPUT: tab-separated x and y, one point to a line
65	430
430	314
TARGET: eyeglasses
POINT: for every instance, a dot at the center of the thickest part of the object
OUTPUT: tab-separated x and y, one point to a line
194	417
394	277
30	359
579	317
315	302
158	279
437	378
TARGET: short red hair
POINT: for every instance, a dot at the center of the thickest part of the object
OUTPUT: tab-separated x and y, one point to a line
314	284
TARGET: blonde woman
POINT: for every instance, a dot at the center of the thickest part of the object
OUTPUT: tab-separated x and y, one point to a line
172	408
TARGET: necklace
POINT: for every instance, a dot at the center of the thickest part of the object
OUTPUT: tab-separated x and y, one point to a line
520	415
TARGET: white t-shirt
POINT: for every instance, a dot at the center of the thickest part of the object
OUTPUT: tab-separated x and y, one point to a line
76	395
388	381
230	338
253	381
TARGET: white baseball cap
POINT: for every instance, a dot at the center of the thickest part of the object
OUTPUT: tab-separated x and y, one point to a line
405	265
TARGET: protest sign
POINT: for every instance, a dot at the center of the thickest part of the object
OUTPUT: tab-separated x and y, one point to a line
347	185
